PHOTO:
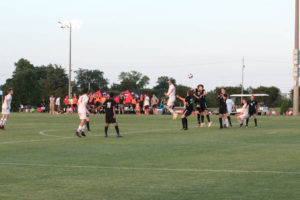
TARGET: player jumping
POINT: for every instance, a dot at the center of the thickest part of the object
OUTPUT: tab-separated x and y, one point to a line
82	112
201	106
172	98
188	103
6	106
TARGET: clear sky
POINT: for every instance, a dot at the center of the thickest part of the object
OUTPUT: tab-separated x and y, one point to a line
156	37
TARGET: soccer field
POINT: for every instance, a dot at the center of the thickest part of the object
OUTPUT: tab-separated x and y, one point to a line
41	158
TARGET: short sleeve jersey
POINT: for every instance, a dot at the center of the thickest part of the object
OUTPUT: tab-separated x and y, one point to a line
188	103
83	99
252	105
109	107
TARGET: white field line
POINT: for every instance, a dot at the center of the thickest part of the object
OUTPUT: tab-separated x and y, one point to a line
149	169
74	137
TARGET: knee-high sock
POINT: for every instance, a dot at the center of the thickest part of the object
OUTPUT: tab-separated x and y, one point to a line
88	126
221	122
208	118
117	130
105	130
79	129
186	123
83	127
1	121
255	121
202	118
4	121
172	111
247	121
198	118
183	123
229	119
226	122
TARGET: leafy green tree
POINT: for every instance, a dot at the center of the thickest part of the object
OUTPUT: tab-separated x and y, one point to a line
133	80
274	99
53	81
284	106
162	85
93	78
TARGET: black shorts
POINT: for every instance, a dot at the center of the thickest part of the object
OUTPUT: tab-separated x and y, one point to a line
252	112
201	107
223	111
154	106
109	119
74	105
187	112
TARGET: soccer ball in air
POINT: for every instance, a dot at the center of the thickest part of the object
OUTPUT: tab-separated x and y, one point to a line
190	76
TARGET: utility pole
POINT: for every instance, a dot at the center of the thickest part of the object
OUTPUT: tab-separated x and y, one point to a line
70	62
242	90
296	63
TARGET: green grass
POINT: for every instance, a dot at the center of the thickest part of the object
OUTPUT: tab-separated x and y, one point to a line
142	165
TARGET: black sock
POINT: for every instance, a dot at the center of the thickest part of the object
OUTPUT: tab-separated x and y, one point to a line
255	121
202	118
117	129
208	118
229	119
221	122
106	129
183	123
186	123
247	121
88	126
198	117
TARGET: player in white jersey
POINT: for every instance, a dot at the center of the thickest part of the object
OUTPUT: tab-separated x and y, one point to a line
244	113
82	112
172	98
230	106
6	106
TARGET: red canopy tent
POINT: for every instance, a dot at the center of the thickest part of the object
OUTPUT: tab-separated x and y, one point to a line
127	95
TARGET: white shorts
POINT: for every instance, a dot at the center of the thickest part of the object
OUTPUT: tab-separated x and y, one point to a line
82	115
244	116
171	101
5	111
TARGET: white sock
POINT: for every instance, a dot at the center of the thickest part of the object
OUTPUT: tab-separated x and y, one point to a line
1	121
82	129
172	111
244	121
226	122
79	129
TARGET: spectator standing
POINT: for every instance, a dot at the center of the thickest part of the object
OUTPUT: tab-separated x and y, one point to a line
52	103
154	103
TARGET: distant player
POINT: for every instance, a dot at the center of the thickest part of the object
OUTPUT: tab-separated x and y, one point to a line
82	112
188	104
252	110
110	114
244	113
172	98
230	107
201	106
6	106
223	108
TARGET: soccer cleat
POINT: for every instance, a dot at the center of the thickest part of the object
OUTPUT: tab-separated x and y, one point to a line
83	134
202	124
105	135
1	127
119	135
241	125
199	125
209	124
77	134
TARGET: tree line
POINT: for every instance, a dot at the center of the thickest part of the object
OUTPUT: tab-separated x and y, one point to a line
32	83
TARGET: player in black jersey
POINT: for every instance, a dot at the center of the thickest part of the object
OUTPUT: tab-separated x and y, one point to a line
188	103
201	106
90	105
252	110
110	114
223	108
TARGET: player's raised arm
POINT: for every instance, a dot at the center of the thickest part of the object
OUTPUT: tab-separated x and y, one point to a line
179	97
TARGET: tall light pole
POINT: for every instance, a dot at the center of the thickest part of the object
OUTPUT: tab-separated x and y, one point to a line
69	26
296	63
242	90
